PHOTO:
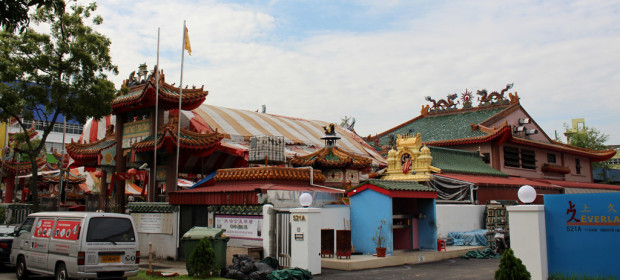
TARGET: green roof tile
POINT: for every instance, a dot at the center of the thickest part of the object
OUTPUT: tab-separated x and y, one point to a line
459	161
393	185
444	126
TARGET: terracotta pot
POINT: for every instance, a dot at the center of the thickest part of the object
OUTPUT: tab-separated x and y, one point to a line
381	252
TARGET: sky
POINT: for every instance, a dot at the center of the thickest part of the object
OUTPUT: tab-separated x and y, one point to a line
377	60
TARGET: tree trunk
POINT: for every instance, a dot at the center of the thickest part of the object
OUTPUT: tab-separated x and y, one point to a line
33	188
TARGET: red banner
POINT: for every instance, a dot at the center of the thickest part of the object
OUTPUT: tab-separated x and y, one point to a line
44	228
67	230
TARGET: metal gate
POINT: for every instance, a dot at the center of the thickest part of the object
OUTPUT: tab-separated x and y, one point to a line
281	237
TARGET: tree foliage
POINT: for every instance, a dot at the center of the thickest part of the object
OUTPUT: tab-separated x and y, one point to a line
511	268
202	262
14	13
63	72
590	138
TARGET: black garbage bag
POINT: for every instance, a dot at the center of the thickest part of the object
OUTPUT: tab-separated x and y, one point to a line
271	261
263	267
236	274
247	267
256	276
237	258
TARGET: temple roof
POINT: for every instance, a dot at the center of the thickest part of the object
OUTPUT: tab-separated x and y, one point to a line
269	173
21	168
167	138
301	136
395	185
475	125
67	177
332	157
142	95
459	161
88	153
446	126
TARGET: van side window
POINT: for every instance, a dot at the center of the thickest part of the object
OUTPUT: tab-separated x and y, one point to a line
108	229
27	225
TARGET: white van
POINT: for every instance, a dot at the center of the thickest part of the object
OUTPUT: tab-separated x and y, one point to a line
76	245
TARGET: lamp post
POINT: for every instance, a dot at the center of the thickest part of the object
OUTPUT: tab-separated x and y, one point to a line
305	199
527	194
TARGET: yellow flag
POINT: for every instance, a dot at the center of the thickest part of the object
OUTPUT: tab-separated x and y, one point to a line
188	46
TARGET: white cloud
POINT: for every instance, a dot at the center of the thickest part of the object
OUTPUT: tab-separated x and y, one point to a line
562	58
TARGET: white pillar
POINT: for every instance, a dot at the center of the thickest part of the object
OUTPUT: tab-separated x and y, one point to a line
306	239
528	238
266	234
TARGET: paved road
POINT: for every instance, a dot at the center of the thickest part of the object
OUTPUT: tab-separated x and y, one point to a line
448	269
478	269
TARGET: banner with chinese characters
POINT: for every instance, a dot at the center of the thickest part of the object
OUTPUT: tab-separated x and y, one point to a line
583	234
135	131
241	227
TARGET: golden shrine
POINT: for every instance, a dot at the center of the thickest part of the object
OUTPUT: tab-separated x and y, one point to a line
409	161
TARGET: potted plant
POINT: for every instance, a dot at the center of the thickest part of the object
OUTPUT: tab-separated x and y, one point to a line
379	240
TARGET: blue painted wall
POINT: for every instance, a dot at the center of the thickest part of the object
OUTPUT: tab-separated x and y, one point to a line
427	227
368	208
583	234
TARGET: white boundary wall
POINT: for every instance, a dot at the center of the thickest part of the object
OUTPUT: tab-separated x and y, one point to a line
459	218
164	244
528	238
334	217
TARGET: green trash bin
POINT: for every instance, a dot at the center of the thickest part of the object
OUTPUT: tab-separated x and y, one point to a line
191	238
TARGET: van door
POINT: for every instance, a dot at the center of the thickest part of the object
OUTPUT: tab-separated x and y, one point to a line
25	236
40	242
64	244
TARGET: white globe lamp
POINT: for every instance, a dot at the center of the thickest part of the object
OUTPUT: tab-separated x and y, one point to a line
305	199
527	194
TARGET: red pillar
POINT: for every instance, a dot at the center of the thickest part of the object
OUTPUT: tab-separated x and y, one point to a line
10	188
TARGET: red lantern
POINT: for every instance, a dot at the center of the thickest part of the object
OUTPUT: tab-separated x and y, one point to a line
99	174
65	161
132	171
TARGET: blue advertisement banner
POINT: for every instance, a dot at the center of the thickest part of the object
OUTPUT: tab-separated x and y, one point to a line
583	234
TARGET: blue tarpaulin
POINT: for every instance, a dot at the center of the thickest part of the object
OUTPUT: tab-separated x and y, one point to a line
469	238
203	180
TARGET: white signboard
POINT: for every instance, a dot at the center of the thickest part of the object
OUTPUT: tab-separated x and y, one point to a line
154	222
241	227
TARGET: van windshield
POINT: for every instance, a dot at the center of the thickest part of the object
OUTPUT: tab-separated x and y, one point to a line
107	229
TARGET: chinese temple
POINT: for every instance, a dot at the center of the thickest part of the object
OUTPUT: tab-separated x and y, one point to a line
502	135
13	167
341	168
132	135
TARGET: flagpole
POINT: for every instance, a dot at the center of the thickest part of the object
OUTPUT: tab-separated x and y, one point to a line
176	180
62	161
153	188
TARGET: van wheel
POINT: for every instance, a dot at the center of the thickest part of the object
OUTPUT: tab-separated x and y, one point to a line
20	269
61	272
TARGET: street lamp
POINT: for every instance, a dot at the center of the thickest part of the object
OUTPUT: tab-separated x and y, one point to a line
527	194
305	199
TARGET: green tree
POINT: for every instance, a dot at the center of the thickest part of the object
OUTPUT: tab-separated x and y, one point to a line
63	72
202	262
590	138
511	268
14	13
